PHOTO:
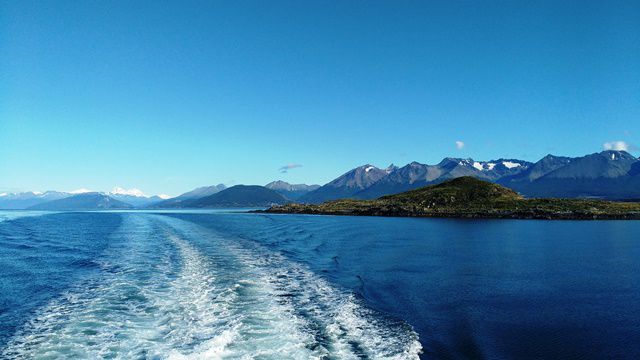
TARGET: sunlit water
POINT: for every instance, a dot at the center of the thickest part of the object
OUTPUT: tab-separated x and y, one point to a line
135	285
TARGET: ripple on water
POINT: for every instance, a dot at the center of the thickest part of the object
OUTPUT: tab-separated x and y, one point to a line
176	290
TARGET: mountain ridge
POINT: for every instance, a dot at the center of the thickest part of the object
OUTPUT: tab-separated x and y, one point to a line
347	184
609	174
84	201
239	196
291	191
468	197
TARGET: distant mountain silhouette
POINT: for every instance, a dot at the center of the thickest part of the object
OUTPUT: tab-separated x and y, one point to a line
197	193
347	185
468	197
291	191
137	201
85	201
416	175
612	175
24	200
238	196
608	175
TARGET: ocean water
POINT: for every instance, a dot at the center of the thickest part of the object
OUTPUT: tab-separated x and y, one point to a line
211	285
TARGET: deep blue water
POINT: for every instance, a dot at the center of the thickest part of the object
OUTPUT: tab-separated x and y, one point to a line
231	285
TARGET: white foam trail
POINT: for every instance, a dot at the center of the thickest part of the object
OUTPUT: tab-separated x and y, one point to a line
255	324
159	296
347	329
352	330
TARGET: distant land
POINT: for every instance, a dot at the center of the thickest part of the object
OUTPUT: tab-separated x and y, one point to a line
132	198
85	201
607	175
468	197
181	200
610	175
238	196
291	191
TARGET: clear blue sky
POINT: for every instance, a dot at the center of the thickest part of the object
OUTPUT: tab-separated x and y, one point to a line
166	96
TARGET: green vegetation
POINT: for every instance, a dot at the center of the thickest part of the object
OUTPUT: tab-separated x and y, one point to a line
471	198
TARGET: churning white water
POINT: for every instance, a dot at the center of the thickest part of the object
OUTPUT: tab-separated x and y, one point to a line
171	289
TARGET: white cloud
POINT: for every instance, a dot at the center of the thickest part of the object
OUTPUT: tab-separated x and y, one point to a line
617	145
288	167
459	145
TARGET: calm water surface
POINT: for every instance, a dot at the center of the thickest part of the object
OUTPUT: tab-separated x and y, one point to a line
228	285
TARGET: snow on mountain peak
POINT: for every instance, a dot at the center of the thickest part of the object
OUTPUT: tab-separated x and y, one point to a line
465	162
164	196
510	164
390	168
488	166
80	191
369	168
130	192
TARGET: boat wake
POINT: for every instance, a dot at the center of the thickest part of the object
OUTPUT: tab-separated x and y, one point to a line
172	289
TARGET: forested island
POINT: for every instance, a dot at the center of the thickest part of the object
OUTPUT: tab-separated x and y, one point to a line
467	197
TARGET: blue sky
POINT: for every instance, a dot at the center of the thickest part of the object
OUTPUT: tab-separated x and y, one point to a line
166	96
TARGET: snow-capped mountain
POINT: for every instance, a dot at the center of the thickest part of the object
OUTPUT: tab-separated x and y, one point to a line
130	192
608	174
539	169
28	199
415	174
80	191
134	196
83	201
24	200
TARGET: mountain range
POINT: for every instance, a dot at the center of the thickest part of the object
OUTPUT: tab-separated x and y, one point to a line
468	197
415	175
239	196
181	200
31	199
27	199
611	175
348	184
291	191
84	201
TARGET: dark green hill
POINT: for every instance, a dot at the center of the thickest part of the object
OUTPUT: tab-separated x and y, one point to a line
472	198
239	196
462	191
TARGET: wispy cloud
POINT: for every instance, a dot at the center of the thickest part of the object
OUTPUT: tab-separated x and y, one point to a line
286	168
618	145
459	145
